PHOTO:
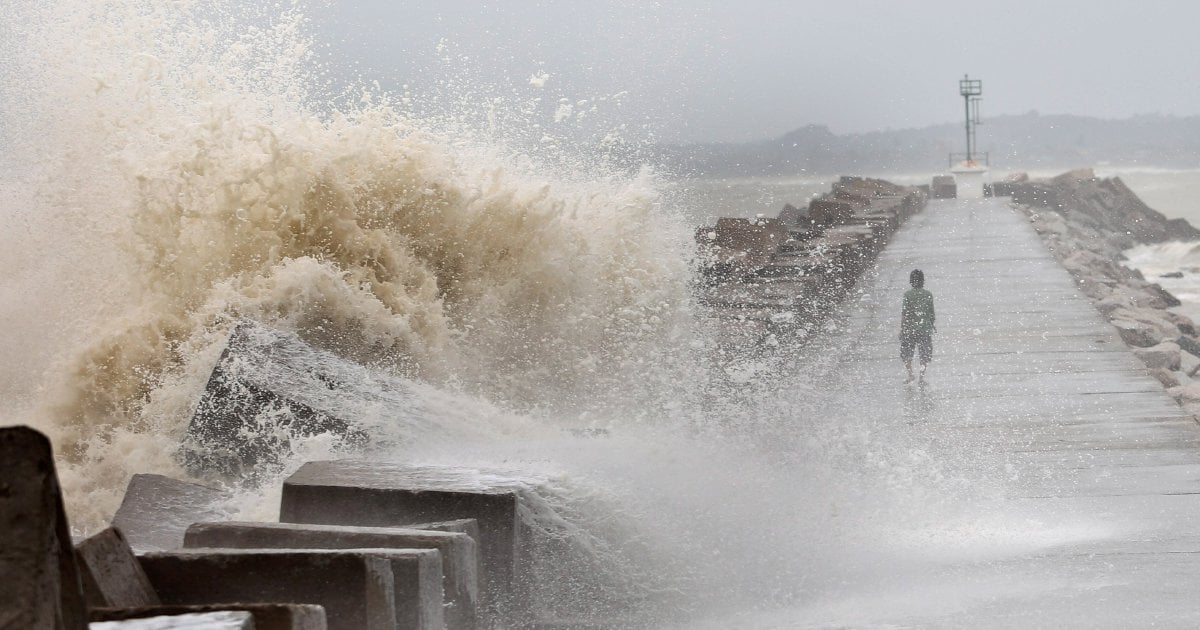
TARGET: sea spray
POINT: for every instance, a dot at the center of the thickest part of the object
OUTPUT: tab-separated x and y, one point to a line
189	164
1175	266
223	189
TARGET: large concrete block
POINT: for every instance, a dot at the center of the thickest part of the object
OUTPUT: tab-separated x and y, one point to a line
267	389
776	229
828	211
459	555
39	580
157	510
356	588
888	222
468	526
747	235
943	187
419	596
270	389
217	620
358	492
265	616
914	202
794	218
111	574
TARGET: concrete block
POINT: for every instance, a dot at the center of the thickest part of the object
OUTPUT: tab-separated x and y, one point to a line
111	574
218	620
458	551
39	580
914	202
267	388
753	236
943	187
356	588
266	616
270	389
827	211
357	492
419	596
887	222
468	526
777	231
793	217
856	198
157	510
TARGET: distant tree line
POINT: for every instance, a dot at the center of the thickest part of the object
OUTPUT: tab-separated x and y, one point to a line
1027	141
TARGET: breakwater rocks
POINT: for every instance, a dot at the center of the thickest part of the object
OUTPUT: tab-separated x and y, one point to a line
1087	222
359	545
768	276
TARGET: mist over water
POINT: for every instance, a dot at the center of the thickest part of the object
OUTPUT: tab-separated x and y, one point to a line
179	166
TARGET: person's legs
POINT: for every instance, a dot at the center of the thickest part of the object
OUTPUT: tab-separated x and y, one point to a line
926	352
907	345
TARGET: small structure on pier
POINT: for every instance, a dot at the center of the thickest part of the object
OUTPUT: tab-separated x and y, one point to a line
970	168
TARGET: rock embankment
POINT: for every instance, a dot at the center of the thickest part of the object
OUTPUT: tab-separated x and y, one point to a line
765	276
1087	222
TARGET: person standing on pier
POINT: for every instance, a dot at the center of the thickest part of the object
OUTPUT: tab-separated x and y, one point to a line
916	324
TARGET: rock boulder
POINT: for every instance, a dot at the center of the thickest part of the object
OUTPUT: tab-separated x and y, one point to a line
1164	356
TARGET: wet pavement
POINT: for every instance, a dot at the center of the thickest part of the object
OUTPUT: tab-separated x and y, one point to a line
1092	473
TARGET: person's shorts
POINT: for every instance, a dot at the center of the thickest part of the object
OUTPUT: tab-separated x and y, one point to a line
918	342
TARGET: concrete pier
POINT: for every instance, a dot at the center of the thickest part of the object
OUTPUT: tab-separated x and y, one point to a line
1086	497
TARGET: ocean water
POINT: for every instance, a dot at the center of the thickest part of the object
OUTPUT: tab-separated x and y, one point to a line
169	168
1175	266
1173	192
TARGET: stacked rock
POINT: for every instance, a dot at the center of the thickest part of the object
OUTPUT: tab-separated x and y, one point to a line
769	276
1087	222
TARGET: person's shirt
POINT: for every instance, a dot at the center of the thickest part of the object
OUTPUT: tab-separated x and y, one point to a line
917	315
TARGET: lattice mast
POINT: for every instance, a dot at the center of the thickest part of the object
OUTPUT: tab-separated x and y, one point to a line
971	90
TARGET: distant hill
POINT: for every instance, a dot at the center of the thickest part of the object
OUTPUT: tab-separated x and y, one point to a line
1025	141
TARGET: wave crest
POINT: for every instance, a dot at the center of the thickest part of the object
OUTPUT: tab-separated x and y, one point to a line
195	142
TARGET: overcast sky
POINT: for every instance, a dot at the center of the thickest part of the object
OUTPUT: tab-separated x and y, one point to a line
754	69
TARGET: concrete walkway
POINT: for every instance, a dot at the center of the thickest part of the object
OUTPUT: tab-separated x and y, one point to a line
1087	510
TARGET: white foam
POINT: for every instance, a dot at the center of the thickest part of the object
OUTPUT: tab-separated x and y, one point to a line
188	174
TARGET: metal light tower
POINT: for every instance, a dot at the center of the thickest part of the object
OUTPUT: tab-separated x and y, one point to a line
971	91
970	169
